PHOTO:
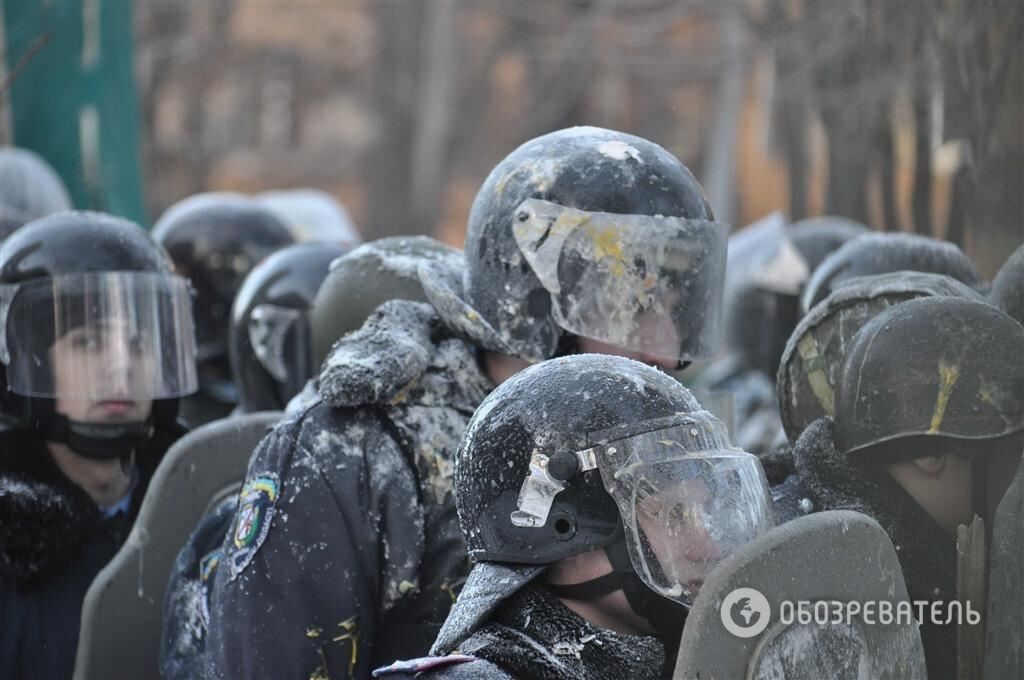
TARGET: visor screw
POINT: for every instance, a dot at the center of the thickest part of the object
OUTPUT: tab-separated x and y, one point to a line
564	525
563	466
523	216
806	506
693	431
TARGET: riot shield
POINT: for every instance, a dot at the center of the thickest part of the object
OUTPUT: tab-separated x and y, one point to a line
122	614
1004	643
751	617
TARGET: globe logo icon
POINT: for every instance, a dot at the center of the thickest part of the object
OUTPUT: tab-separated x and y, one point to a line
743	609
745	612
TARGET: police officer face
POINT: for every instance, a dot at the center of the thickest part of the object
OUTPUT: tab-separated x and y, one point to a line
104	362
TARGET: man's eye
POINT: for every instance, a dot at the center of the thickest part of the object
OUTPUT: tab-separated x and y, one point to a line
85	342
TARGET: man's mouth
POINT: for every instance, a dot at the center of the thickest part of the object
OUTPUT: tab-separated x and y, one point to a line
116	407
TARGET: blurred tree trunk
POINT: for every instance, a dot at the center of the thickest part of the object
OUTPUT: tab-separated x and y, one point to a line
430	158
923	174
720	171
389	171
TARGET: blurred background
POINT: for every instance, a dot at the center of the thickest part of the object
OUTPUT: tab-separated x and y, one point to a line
903	115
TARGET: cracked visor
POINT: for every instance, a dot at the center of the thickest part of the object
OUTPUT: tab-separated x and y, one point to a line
650	284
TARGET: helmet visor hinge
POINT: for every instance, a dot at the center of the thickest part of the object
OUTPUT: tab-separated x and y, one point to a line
546	480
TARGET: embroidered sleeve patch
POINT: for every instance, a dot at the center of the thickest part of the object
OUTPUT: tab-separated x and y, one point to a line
252	521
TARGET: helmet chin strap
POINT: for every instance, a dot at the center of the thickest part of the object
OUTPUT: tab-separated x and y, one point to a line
98	441
665	615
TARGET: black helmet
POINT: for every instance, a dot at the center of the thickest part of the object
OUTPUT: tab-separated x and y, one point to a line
817	237
312	215
367	277
100	283
769	264
879	253
939	366
763	278
592	451
594	233
214	240
1008	287
809	371
270	345
29	189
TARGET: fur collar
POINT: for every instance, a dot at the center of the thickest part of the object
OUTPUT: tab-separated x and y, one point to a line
44	517
927	554
403	354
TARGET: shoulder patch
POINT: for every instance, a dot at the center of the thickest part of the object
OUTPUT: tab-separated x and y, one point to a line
426	663
252	520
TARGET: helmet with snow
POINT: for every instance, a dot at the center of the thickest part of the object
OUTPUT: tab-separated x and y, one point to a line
593	452
96	335
928	369
808	373
594	233
370	275
880	253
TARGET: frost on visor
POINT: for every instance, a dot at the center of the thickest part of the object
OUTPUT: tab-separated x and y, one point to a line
686	498
99	335
650	284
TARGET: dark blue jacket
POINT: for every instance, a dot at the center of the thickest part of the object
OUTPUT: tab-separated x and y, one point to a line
345	552
53	542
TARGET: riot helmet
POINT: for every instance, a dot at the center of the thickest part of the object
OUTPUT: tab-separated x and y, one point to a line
590	452
769	264
808	373
270	340
93	321
1008	287
215	239
879	253
312	215
946	367
594	233
29	189
763	277
367	277
817	237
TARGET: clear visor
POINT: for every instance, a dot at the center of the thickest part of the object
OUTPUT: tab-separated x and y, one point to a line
649	284
685	510
280	340
99	336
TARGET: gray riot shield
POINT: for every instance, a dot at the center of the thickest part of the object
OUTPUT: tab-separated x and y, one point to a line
123	609
1004	633
750	620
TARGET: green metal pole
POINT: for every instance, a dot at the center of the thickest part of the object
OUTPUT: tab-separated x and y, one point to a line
73	96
